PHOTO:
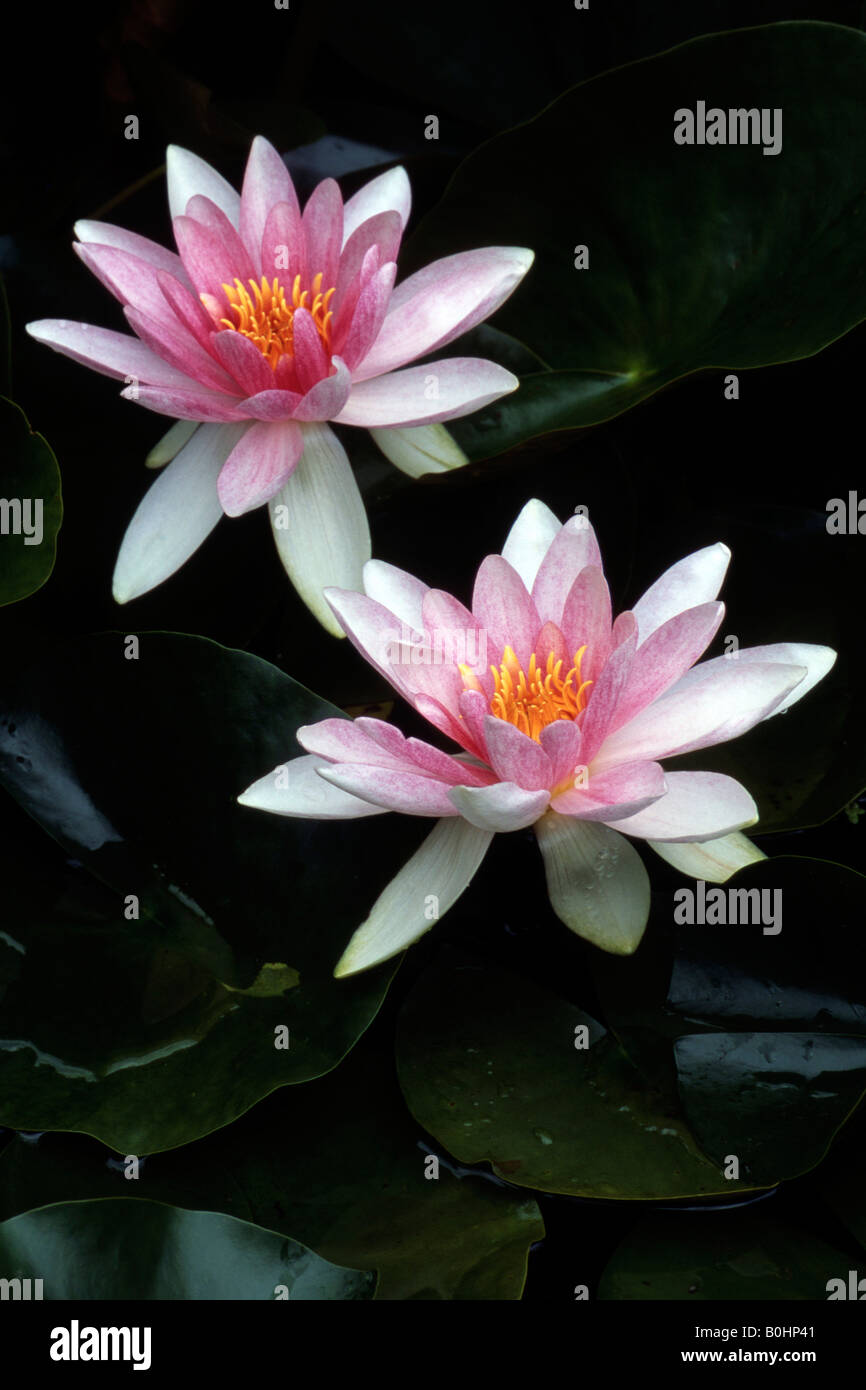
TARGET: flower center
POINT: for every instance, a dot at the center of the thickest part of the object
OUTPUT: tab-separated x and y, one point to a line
535	698
265	316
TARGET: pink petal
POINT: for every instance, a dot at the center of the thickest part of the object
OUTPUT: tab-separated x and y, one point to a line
447	722
586	620
624	627
690	582
505	610
267	182
312	363
515	757
188	309
501	807
369	314
130	279
473	708
271	405
561	742
113	354
440	390
370	628
186	404
446	766
413	794
385	736
383	231
210	259
105	234
550	642
385	193
180	348
323	231
351	741
284	249
452	631
613	795
730	701
249	370
375	631
326	398
696	806
604	698
436	304
344	311
258	466
667	653
206	212
571	551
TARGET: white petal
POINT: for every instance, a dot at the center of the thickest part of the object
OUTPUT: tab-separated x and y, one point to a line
403	399
420	449
171	443
501	807
320	525
387	192
694	580
714	860
816	661
397	590
727	701
176	514
529	540
696	806
188	175
596	881
295	788
417	897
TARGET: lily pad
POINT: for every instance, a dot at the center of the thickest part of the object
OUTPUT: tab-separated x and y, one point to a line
740	1256
502	1070
82	1250
156	1012
30	505
699	255
772	1100
340	1163
765	1039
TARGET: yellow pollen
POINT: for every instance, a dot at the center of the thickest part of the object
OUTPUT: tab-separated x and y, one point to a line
265	315
533	699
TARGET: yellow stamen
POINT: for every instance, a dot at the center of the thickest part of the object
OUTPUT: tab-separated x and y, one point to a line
533	699
265	315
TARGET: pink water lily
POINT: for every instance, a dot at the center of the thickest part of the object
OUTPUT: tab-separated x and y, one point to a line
563	730
268	322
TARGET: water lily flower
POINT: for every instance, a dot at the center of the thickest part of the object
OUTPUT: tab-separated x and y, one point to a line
562	716
267	323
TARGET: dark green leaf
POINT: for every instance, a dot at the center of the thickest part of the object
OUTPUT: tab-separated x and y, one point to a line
736	1256
151	1032
131	1249
490	1065
338	1162
771	1100
699	256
